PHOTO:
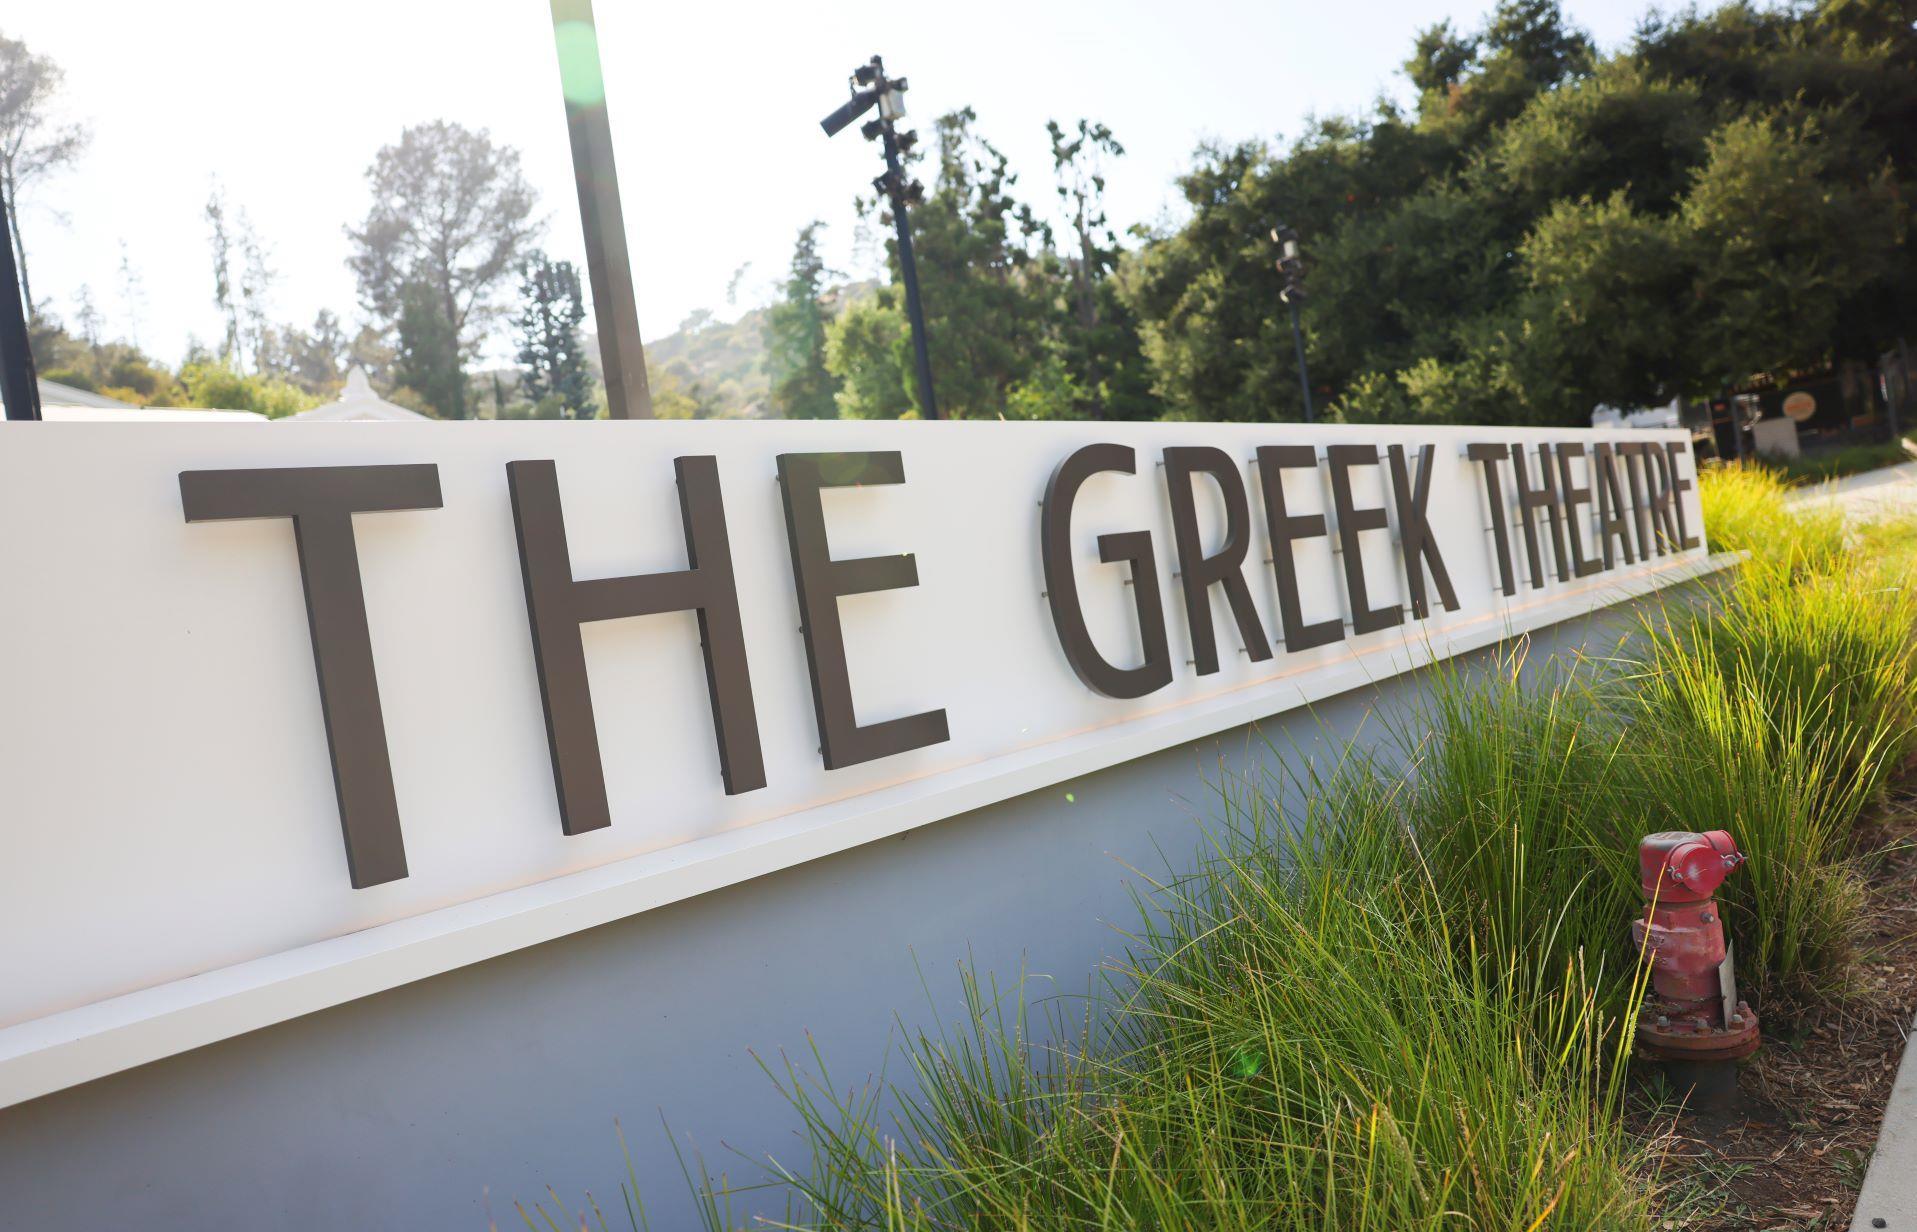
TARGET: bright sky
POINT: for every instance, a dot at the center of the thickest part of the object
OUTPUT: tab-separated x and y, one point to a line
714	105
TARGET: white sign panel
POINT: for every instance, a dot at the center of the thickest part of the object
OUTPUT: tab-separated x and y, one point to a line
568	672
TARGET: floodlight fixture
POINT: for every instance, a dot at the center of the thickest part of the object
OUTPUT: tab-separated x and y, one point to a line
871	87
854	107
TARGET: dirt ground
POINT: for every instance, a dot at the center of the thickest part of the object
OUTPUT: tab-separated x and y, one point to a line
1791	1157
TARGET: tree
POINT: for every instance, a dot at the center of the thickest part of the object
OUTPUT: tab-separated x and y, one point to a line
132	295
1610	293
256	288
1785	235
221	242
988	307
427	360
868	351
32	143
1439	59
452	217
1726	197
802	386
552	354
310	359
1099	363
210	382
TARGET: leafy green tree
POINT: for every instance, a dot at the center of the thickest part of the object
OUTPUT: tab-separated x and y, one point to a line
802	386
452	217
1783	236
427	362
1553	229
1100	362
868	351
33	142
552	352
1439	58
213	383
1617	130
986	314
1609	306
309	358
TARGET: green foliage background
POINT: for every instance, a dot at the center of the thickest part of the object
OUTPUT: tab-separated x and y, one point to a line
1547	230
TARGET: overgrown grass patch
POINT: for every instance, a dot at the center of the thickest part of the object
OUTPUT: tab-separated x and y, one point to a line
1745	510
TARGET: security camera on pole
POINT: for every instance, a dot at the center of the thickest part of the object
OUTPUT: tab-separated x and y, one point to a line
1291	266
871	87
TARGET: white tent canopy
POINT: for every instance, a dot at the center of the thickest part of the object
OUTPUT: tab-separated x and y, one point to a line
357	402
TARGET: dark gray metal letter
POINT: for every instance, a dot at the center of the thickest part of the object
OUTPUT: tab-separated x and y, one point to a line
1612	522
1643	488
1490	456
1530	500
321	501
556	605
1061	582
1226	567
1285	529
1416	543
820	581
1573	497
1340	459
1679	486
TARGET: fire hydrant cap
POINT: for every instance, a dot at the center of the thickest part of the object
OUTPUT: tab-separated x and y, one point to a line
1677	864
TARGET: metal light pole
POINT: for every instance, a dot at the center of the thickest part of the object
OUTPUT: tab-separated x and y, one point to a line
1292	266
18	386
608	264
872	88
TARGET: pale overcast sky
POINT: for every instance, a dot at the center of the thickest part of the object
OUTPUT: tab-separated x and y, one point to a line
715	109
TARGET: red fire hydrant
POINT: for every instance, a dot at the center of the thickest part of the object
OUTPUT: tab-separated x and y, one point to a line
1693	1020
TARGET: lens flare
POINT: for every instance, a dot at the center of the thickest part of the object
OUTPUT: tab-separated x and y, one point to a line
579	74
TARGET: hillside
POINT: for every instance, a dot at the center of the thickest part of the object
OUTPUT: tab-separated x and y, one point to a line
710	369
713	369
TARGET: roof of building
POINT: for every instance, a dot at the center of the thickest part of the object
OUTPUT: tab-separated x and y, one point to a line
64	403
358	402
52	393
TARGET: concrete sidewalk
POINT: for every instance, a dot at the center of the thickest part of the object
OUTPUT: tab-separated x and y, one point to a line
1888	1202
1889	1199
1872	494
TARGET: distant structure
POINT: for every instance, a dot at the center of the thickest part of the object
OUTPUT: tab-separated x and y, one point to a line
64	402
357	403
52	393
1671	415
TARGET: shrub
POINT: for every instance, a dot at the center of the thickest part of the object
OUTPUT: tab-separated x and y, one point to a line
210	383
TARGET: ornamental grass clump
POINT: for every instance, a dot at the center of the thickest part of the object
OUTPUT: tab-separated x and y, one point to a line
1779	715
1299	1040
1745	510
1518	805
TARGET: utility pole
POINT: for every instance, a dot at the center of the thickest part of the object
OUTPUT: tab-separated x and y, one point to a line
872	88
622	355
18	386
1292	267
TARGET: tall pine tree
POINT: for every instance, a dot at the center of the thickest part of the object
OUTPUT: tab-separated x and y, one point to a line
795	338
552	355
